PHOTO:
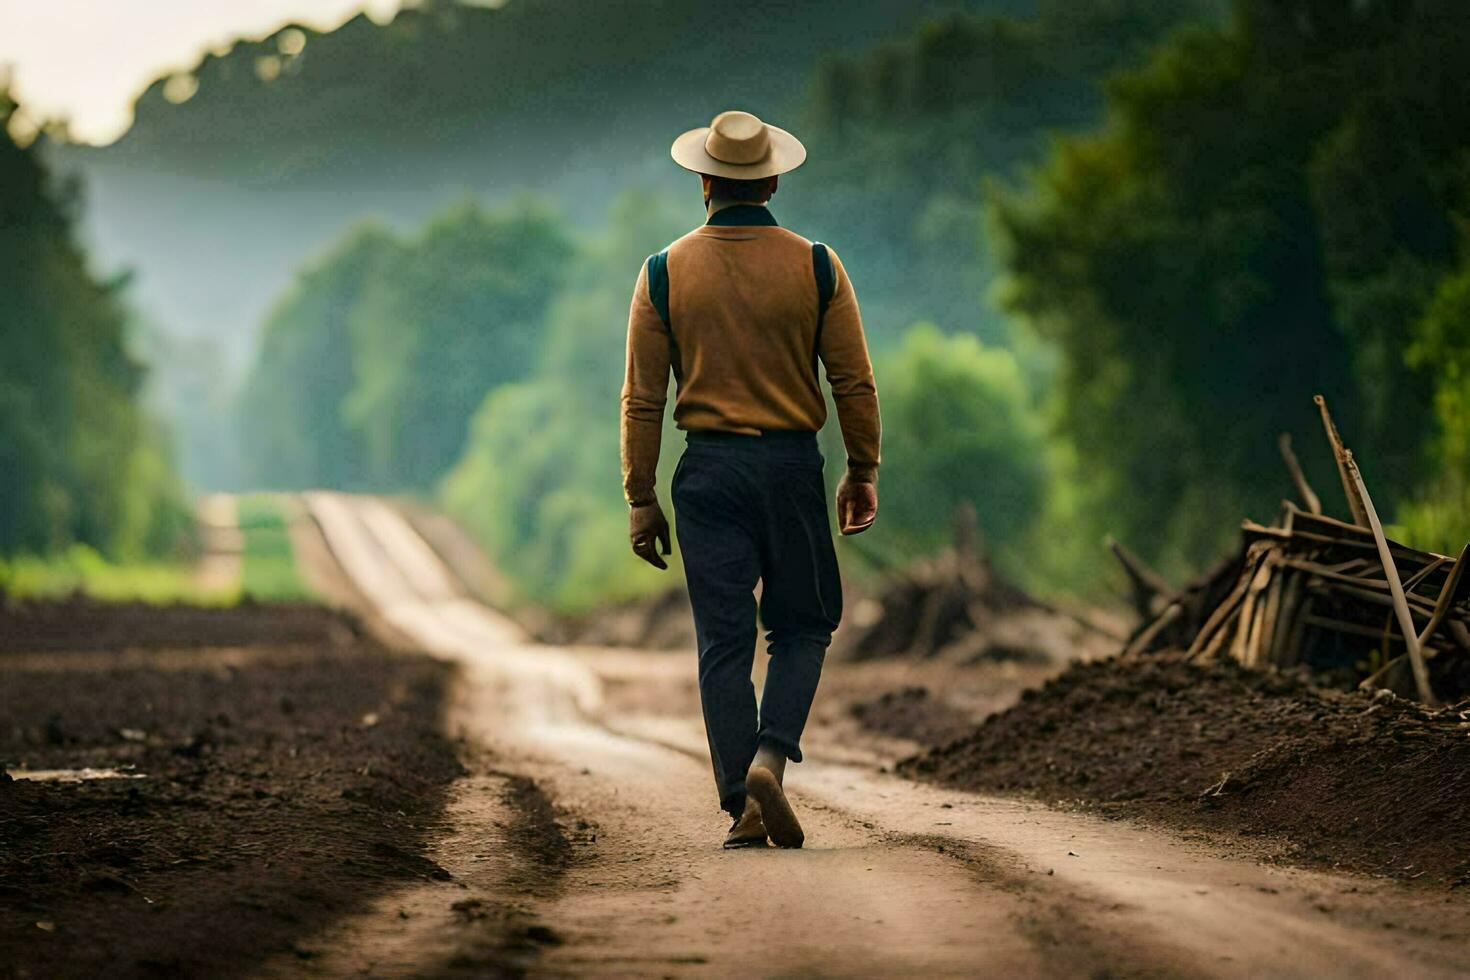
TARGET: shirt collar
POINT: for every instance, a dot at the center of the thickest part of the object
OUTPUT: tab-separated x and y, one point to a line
742	215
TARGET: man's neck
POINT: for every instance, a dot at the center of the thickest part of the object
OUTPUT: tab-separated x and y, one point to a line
720	204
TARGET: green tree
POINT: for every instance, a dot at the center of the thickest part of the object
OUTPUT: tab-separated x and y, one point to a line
902	137
372	365
1390	184
958	427
1237	238
459	311
539	481
78	460
292	421
1439	518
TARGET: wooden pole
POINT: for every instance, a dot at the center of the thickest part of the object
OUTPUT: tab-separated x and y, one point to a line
1395	587
1340	453
1150	633
1294	467
1149	586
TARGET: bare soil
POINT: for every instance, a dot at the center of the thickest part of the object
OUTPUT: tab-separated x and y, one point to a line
1351	781
79	623
292	770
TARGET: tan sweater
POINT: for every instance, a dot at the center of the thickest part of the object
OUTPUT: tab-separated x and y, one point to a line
742	304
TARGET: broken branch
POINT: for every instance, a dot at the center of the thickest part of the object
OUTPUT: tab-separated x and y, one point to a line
1294	467
1340	453
1396	588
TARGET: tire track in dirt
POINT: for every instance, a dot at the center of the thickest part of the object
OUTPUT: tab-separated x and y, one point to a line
1053	916
464	921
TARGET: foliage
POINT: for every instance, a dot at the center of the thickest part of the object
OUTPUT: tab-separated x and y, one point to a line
902	136
1240	236
463	80
268	569
958	426
555	519
886	183
456	314
1440	519
79	462
292	426
372	366
80	569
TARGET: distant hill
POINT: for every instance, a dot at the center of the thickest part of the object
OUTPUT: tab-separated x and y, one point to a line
216	199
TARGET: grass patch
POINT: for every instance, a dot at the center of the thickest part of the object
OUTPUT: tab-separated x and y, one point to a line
82	569
268	569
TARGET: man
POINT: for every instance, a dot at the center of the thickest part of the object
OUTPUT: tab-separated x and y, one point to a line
742	311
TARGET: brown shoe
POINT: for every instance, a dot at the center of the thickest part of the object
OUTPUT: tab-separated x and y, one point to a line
779	818
749	830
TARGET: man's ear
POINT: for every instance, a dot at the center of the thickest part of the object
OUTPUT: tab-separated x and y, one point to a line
775	182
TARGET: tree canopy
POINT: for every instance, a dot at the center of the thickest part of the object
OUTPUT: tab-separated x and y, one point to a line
958	427
372	366
79	461
555	518
903	137
1264	217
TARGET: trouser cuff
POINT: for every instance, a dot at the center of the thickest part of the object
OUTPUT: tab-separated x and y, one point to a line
733	802
789	747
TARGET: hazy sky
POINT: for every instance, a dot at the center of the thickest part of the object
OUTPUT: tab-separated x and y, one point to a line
87	60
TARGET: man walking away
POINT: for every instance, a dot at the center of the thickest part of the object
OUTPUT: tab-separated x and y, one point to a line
744	312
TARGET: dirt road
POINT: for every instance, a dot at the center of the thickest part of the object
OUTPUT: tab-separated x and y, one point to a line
626	876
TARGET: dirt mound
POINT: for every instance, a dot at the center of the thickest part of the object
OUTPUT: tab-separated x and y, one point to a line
1369	783
915	714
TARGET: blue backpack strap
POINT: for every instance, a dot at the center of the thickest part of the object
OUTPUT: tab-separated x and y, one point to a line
658	295
826	277
658	285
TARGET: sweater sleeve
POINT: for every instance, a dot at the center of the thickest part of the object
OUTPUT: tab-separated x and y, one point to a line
844	353
645	389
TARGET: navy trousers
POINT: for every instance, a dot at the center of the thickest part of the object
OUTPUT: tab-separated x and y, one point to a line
748	510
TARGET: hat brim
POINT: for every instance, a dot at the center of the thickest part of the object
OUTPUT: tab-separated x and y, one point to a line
786	155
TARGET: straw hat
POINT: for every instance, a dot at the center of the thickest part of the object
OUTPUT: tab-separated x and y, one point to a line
738	145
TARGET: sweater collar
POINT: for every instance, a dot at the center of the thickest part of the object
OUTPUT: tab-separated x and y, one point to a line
742	215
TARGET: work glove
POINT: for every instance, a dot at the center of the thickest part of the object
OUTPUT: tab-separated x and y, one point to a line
857	504
647	526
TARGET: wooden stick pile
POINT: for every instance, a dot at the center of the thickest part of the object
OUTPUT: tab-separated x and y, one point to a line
1311	590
